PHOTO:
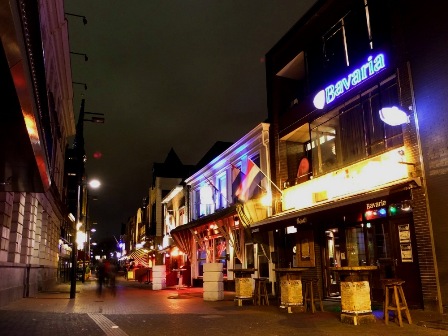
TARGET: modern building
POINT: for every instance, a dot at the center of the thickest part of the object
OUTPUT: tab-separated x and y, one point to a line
357	143
37	120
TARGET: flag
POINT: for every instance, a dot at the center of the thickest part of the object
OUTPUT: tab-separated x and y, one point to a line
245	184
251	181
236	181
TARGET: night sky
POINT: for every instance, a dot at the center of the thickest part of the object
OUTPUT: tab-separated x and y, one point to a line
179	74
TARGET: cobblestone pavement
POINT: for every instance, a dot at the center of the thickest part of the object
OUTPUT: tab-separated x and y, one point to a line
138	310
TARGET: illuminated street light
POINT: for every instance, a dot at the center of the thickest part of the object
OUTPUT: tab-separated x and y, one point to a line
93	184
81	185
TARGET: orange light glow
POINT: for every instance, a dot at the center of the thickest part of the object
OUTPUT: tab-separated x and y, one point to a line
31	127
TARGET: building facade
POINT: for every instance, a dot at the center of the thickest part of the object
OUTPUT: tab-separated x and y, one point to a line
37	121
348	148
223	198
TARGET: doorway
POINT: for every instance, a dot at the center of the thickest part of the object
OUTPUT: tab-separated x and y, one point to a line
332	258
388	243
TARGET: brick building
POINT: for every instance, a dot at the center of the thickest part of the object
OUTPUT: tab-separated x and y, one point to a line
355	103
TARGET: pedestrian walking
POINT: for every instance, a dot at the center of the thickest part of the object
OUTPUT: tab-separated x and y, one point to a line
100	275
112	274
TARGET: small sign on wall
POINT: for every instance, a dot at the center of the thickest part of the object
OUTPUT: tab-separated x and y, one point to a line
404	236
305	249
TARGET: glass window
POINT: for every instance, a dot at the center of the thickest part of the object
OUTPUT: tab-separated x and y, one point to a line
334	46
324	146
355	132
357	34
352	134
206	200
356	249
221	185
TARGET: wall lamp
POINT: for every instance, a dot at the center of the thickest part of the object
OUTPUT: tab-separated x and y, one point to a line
85	56
84	20
99	120
85	85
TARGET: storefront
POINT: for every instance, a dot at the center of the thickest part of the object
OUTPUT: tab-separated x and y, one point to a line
211	239
370	229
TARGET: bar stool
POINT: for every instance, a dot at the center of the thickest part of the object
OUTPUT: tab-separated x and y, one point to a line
312	295
260	292
394	300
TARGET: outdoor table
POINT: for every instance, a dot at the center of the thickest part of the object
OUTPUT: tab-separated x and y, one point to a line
179	276
243	284
290	287
356	306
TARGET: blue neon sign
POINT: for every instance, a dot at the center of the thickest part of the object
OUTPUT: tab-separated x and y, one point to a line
373	66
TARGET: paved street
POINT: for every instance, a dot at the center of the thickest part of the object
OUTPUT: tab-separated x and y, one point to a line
138	310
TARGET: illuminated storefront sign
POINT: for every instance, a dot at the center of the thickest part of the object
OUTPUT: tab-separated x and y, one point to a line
370	174
358	76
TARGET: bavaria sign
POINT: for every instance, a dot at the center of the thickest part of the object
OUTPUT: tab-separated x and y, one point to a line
373	66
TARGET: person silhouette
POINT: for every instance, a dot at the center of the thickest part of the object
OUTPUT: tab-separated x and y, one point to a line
112	276
100	275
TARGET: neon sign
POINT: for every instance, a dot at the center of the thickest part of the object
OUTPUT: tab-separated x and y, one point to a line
359	75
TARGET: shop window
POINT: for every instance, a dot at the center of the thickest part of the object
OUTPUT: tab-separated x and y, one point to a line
216	247
221	193
356	248
355	132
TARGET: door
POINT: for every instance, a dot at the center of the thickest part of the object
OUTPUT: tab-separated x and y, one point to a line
405	259
331	258
396	255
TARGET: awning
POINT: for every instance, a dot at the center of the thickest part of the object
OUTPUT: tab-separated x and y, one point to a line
337	203
206	219
183	235
140	256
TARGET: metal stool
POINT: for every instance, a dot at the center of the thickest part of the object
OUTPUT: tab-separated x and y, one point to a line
312	294
396	303
260	292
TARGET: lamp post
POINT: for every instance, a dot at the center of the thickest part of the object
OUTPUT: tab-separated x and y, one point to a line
86	250
75	249
79	171
79	224
94	184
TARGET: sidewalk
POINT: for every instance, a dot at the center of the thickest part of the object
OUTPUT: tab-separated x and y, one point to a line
138	310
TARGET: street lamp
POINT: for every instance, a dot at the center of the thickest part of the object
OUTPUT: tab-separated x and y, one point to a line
79	172
93	184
